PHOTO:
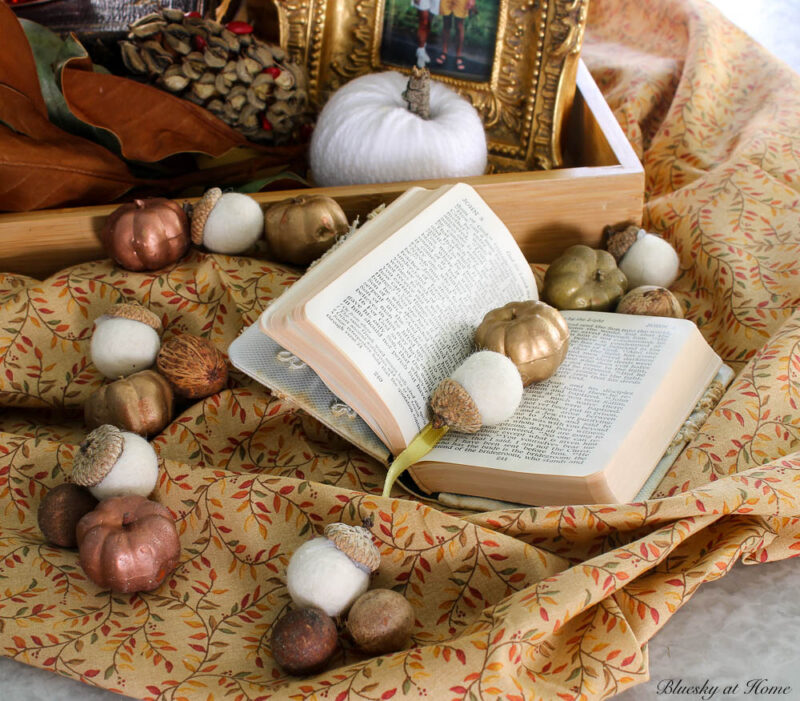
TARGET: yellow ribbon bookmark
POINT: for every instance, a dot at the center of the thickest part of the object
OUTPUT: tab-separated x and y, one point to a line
422	444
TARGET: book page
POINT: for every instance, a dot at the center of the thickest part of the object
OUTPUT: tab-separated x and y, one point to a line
406	313
574	422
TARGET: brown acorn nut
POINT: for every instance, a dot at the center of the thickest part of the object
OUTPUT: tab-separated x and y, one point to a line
303	640
140	403
300	229
193	366
147	234
533	334
381	621
61	509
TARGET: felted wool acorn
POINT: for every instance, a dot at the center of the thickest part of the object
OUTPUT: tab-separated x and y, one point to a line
112	463
385	127
331	572
125	340
645	258
228	223
484	390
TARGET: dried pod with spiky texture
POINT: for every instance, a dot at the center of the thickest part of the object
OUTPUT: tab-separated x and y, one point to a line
193	366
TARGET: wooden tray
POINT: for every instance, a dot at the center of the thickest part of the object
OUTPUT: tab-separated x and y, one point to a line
546	211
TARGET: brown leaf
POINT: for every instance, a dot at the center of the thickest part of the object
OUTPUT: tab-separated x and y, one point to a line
17	67
43	166
150	124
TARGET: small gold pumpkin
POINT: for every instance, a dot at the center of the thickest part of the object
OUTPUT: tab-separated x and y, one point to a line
533	334
140	403
300	229
584	278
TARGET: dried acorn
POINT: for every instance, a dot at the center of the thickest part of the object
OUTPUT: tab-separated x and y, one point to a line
193	366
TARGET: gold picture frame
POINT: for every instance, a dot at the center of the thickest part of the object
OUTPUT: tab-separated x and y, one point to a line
522	103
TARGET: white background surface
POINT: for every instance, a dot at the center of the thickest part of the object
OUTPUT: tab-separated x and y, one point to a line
746	626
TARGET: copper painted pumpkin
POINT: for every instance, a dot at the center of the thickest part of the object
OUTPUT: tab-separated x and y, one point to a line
533	334
128	544
140	403
300	229
584	278
147	234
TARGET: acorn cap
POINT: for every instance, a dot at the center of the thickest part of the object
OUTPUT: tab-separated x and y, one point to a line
453	407
356	543
97	454
620	238
135	312
201	211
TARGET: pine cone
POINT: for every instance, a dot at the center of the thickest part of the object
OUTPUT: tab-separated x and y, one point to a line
247	83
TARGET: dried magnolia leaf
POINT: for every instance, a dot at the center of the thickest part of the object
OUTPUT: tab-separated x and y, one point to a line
17	66
42	166
161	126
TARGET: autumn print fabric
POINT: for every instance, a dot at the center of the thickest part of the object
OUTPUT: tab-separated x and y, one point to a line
538	603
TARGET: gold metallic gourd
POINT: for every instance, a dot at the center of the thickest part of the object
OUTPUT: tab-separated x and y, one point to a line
140	403
584	278
533	334
300	229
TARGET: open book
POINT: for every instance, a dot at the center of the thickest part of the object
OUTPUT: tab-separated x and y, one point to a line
382	318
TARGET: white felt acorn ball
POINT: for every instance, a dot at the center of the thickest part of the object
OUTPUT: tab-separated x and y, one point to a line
111	463
228	223
645	258
126	339
374	130
331	572
484	390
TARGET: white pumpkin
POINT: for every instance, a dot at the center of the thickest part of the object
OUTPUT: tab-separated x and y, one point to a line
366	134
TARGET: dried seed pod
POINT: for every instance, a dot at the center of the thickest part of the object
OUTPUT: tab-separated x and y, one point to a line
237	97
203	91
231	40
248	117
215	57
253	99
132	58
178	42
146	19
193	366
650	300
148	29
222	84
171	14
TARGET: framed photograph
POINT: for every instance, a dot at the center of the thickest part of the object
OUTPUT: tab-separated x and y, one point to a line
515	60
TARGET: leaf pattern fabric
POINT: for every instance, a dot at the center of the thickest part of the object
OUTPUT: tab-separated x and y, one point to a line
536	603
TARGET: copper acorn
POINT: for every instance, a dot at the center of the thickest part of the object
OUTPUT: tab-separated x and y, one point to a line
60	510
300	229
140	403
128	544
147	234
193	366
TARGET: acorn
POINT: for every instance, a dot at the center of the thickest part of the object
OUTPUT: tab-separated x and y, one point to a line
193	366
60	510
331	572
227	223
126	339
644	258
484	390
113	463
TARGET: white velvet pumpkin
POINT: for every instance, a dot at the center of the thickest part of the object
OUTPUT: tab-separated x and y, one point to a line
366	134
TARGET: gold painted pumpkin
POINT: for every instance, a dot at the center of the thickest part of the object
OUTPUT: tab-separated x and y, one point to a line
140	403
128	544
300	229
147	234
533	334
584	278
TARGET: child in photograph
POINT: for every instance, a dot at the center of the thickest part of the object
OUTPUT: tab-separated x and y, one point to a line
460	10
424	10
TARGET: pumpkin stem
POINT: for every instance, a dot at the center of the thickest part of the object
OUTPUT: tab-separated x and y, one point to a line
418	92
